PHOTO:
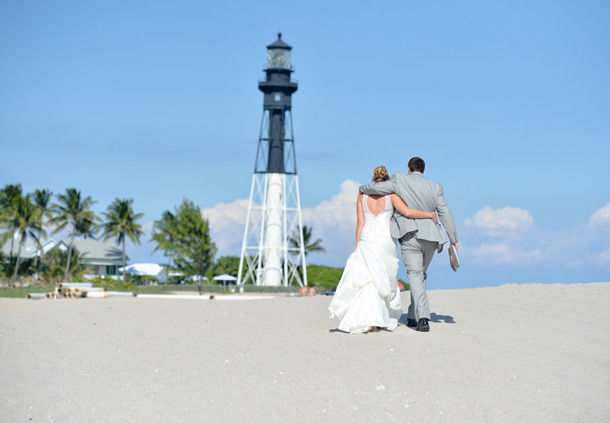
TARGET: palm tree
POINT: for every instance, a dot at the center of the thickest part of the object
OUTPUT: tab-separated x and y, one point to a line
9	195
42	200
165	233
310	247
26	222
55	262
74	211
120	223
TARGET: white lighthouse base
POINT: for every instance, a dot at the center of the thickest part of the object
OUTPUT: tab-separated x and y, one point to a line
274	216
274	244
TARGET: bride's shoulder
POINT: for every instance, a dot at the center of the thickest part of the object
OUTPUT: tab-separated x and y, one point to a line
394	199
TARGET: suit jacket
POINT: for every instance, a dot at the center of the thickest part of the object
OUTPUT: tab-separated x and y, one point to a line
421	193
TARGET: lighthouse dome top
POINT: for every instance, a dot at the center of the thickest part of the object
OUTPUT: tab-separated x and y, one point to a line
279	43
278	55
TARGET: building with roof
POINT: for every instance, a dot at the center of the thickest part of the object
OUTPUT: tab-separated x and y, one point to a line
30	248
104	257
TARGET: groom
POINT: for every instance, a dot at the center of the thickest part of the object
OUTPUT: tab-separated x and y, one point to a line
419	238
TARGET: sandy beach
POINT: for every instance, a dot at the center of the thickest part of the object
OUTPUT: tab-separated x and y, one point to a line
515	353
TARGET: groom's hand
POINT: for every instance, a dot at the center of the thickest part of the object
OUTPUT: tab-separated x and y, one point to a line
456	244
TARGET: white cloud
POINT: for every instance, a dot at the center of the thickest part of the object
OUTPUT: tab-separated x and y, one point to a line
333	220
338	213
508	235
505	235
227	222
497	221
505	253
601	216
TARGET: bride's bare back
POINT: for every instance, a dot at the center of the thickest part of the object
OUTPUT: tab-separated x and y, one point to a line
376	204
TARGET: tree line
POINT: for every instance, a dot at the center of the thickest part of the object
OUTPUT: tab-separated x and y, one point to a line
182	233
28	216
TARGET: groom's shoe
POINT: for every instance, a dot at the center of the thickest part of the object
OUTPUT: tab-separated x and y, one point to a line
412	323
422	325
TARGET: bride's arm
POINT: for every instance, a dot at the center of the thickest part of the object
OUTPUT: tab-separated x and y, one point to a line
411	213
360	216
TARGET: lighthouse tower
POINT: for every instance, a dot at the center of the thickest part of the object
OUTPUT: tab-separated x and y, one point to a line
272	249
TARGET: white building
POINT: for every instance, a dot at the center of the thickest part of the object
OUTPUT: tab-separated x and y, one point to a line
104	257
30	248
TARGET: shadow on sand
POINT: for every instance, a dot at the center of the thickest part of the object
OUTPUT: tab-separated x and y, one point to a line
436	318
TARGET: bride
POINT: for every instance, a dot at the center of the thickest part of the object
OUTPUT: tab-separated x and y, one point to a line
367	298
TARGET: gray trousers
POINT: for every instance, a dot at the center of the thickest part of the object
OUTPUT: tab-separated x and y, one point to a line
417	255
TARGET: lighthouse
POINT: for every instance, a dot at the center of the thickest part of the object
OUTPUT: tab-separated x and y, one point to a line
273	252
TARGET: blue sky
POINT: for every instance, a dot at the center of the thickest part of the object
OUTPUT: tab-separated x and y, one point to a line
508	103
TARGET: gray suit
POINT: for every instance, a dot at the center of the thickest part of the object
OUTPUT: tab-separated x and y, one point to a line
419	238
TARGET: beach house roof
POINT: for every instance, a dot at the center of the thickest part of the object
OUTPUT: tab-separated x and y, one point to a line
95	252
30	248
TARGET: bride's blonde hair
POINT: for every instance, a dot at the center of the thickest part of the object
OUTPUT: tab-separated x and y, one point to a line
380	174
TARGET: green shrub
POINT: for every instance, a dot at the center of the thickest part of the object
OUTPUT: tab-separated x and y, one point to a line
328	278
324	276
110	284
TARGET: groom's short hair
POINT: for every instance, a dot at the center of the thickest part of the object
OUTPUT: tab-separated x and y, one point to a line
417	164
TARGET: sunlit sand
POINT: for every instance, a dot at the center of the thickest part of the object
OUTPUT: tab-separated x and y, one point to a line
515	353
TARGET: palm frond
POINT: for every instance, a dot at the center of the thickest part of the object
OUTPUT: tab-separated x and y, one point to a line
310	247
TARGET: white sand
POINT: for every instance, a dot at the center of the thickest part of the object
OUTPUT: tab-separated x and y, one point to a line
528	353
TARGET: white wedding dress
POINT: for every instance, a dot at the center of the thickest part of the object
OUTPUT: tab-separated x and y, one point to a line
368	293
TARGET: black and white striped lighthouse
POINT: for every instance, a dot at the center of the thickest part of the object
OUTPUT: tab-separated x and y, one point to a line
273	253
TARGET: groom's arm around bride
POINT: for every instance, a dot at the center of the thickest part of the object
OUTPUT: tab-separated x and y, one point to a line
420	193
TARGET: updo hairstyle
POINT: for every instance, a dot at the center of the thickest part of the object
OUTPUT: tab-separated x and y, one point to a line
380	174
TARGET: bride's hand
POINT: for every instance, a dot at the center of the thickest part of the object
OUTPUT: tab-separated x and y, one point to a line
434	218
